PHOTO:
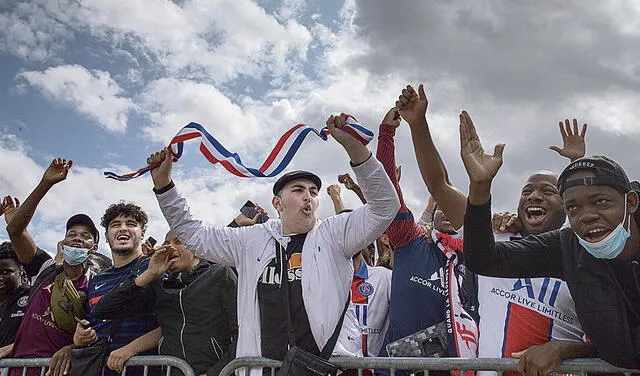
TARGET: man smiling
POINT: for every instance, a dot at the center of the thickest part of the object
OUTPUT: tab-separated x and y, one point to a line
597	256
125	225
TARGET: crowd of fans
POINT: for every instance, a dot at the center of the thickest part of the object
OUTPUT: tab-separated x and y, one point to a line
556	279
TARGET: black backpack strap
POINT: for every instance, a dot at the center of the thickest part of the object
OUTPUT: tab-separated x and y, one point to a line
331	343
48	272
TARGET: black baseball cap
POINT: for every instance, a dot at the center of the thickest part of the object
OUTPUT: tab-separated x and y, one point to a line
294	175
607	172
83	219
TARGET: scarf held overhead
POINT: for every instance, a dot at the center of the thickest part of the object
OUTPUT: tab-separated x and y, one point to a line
276	162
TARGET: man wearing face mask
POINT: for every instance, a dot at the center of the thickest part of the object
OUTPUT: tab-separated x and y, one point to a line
597	256
59	291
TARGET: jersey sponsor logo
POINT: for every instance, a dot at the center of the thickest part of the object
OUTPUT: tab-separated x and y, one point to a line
438	276
365	288
429	283
543	300
17	314
545	295
22	302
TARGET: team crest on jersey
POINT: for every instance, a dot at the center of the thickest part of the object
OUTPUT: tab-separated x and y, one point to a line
365	289
22	302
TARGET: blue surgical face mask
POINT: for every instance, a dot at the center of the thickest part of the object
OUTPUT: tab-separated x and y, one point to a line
74	255
613	244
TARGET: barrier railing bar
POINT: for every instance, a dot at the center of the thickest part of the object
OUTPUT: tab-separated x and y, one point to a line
140	361
436	364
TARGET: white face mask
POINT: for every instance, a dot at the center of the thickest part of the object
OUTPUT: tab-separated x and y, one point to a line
613	244
74	255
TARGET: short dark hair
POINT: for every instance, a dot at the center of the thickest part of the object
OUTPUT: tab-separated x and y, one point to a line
8	252
124	209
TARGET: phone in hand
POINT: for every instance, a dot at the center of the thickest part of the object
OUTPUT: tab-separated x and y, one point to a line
79	321
249	210
152	241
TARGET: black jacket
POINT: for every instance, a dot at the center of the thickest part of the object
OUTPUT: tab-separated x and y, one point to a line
196	311
610	323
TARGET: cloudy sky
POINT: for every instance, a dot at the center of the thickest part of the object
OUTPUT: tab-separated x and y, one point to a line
107	82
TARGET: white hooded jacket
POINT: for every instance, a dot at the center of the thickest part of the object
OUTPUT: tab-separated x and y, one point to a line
327	268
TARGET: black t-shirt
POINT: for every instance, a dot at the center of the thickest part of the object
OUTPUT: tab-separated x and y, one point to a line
273	322
11	314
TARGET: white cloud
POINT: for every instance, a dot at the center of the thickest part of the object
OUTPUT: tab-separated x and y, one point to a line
214	40
28	31
92	93
613	111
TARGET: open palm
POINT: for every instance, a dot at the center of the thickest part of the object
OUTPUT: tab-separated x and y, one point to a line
57	171
8	207
573	142
480	166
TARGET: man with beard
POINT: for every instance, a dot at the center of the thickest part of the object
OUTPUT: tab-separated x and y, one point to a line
316	253
125	225
533	319
597	256
421	296
59	291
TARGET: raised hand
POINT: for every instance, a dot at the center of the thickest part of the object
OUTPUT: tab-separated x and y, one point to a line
243	221
348	182
573	143
481	167
8	206
57	171
333	190
161	172
413	106
161	260
392	118
336	125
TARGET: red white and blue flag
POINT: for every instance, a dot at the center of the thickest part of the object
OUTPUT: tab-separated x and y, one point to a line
275	163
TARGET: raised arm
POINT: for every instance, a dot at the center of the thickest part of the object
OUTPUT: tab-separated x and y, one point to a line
23	242
403	229
334	193
413	109
136	296
573	143
223	245
352	186
365	224
533	256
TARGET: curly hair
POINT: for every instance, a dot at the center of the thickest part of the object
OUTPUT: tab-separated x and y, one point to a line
125	209
8	252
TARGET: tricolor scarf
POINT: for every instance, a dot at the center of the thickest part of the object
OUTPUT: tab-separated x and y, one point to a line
275	163
461	328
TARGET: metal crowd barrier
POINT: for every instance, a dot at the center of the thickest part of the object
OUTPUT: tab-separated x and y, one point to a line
146	361
412	365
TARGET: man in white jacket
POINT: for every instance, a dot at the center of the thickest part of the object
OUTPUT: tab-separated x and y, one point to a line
318	253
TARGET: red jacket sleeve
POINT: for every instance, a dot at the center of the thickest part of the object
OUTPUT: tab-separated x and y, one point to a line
403	229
